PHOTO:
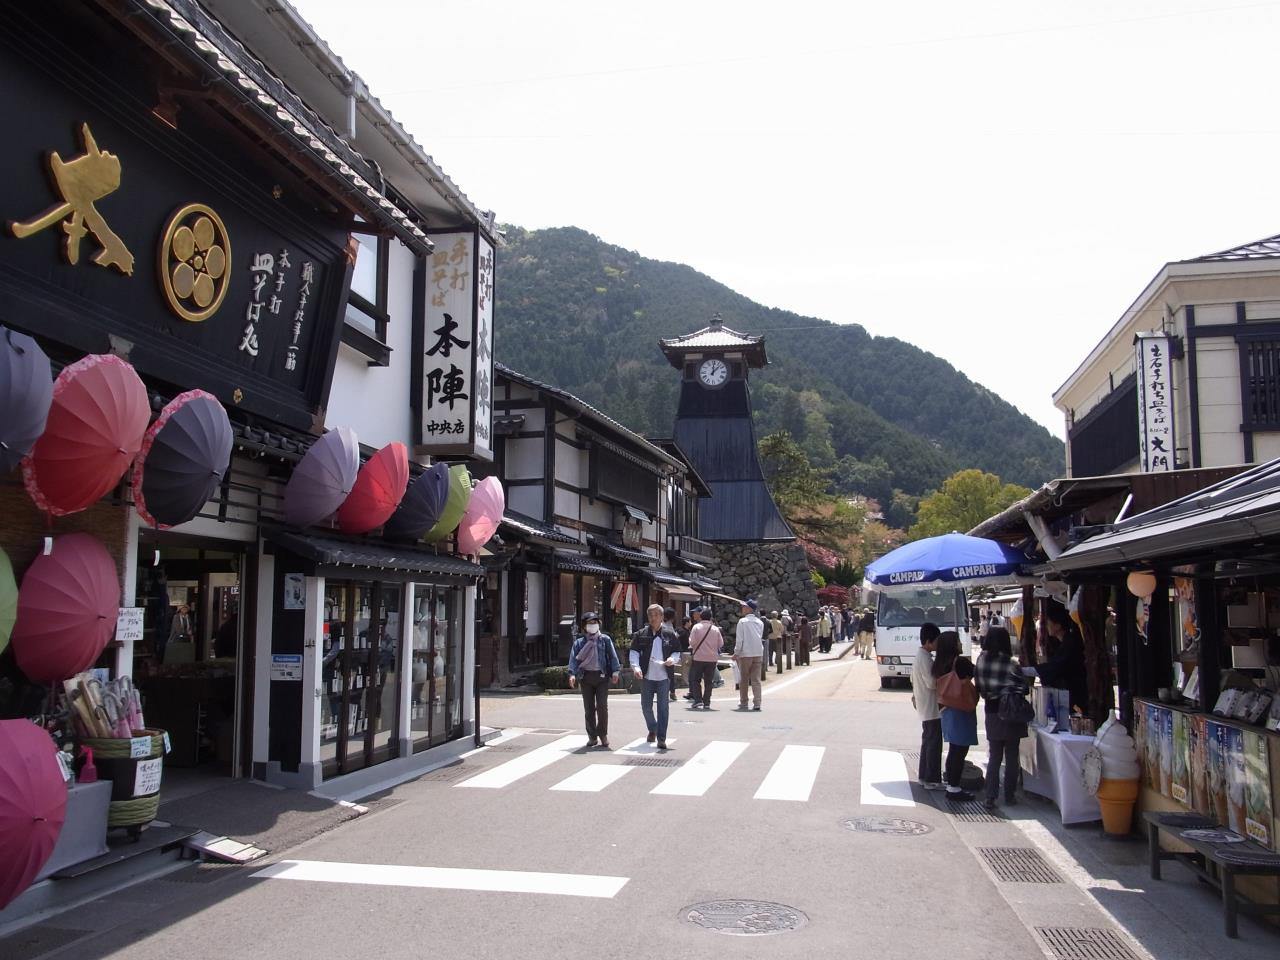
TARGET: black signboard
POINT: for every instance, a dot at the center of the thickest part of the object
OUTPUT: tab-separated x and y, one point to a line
184	248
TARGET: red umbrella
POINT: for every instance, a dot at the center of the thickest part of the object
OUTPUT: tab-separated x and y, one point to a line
33	804
99	414
378	491
67	609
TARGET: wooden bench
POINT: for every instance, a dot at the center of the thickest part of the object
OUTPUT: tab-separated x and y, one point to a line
1218	864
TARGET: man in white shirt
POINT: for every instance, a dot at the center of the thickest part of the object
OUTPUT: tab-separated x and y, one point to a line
924	694
748	653
654	648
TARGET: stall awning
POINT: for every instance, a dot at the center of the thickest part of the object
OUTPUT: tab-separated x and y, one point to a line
660	575
683	593
529	527
576	563
617	550
331	551
725	596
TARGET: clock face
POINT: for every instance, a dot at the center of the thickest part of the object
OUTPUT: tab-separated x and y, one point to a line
713	372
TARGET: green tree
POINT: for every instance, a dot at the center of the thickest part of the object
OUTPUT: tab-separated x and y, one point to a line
791	415
791	477
900	513
965	500
872	478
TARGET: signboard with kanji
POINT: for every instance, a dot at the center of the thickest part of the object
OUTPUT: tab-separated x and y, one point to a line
1155	404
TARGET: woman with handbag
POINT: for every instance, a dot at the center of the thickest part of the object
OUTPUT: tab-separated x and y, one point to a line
1006	710
958	699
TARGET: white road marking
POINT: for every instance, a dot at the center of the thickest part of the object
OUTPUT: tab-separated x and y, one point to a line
445	878
593	778
641	748
510	733
704	769
884	779
792	774
508	773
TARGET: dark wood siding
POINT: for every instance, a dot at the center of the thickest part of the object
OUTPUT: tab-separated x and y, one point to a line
1106	438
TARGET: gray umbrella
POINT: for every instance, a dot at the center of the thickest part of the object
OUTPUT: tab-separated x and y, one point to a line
323	478
184	457
26	391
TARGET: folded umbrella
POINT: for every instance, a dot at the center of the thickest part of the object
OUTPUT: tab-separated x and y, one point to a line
378	490
67	609
94	430
26	391
323	478
8	600
184	456
482	516
33	804
421	506
454	506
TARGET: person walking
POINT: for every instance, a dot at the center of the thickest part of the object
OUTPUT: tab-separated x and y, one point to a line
805	634
594	665
925	696
748	653
180	629
705	645
654	647
958	703
995	675
669	618
824	631
867	633
778	634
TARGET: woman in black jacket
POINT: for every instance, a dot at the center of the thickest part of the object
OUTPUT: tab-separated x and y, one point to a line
1065	668
995	675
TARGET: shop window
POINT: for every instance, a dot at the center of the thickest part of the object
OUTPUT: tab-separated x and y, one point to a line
435	695
1260	366
365	329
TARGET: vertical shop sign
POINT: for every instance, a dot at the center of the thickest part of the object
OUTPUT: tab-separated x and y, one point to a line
1155	403
457	369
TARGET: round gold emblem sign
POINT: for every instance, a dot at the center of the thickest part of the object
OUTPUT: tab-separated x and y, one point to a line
195	262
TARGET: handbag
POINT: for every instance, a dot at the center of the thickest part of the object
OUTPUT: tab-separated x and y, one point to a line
1015	708
957	692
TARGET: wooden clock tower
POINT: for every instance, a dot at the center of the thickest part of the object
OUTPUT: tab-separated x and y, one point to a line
713	427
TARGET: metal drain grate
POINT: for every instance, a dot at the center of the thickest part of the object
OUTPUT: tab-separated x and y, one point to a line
37	941
1018	865
447	774
650	762
971	811
910	754
1085	943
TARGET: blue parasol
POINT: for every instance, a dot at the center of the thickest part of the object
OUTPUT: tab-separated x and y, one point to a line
954	558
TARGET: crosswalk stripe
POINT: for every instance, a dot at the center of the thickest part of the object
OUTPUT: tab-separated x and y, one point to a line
702	770
445	878
508	773
509	733
593	778
792	775
884	779
641	747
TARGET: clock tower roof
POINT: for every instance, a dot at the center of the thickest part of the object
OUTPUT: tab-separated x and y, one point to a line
715	338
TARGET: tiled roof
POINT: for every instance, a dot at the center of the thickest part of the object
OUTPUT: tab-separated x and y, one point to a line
618	550
715	336
659	575
576	563
535	528
386	556
1267	248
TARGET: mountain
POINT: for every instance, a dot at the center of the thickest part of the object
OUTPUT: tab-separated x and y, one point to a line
881	413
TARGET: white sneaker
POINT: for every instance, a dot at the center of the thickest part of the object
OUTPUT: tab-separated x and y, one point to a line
931	786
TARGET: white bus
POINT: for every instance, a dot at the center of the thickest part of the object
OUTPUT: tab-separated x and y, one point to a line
899	616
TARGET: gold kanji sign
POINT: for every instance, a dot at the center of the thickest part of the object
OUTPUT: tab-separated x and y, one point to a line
195	262
82	181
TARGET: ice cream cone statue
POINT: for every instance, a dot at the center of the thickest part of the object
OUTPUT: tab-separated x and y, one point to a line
1118	787
1016	615
1073	608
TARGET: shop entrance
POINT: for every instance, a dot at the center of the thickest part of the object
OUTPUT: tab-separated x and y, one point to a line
191	664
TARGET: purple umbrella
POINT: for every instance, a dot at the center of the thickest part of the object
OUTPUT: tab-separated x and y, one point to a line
421	506
183	459
323	478
26	391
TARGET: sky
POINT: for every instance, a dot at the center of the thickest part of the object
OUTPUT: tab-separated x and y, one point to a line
994	181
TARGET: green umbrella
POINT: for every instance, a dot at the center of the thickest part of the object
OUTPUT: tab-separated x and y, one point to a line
8	600
454	507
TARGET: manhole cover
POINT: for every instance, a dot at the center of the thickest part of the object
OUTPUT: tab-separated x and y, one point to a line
650	762
1085	943
744	918
1018	865
893	826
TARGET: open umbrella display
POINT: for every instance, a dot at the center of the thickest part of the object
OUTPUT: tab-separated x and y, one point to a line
8	600
482	516
184	456
378	490
422	504
67	609
26	390
323	478
954	558
33	804
96	422
454	507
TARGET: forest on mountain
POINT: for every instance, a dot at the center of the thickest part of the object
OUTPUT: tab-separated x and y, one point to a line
888	420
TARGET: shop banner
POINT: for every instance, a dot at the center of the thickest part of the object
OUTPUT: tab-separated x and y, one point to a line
1259	811
1155	403
455	403
1198	762
1217	737
1180	783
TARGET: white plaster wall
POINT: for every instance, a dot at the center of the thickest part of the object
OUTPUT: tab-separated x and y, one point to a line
524	458
1259	310
571	464
1207	313
597	512
567	504
526	500
1266	446
1218	382
374	401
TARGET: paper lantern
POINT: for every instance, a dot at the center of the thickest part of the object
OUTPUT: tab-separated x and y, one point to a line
1141	583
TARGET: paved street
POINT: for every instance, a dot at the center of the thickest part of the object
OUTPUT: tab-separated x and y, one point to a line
535	846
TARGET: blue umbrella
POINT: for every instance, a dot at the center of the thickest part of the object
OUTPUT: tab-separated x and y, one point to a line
422	505
954	558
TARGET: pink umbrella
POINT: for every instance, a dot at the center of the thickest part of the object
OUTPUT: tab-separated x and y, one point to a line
484	513
67	609
33	804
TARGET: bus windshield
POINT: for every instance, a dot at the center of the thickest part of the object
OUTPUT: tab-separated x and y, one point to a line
943	607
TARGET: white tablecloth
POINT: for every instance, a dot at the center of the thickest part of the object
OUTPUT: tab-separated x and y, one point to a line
1051	767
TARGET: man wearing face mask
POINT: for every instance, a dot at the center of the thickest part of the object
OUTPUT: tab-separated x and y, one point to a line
594	663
